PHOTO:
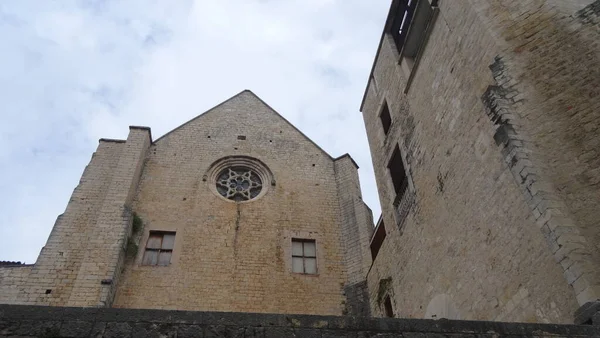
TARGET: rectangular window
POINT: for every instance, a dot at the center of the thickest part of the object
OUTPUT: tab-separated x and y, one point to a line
398	174
377	239
386	119
304	256
159	248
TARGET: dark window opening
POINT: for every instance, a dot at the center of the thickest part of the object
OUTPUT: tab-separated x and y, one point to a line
403	17
413	15
387	306
241	137
398	174
159	248
386	119
48	291
377	239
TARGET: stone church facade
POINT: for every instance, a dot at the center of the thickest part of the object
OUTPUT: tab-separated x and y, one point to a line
482	118
235	210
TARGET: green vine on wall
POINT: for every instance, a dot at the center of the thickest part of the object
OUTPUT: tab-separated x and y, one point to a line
137	223
132	246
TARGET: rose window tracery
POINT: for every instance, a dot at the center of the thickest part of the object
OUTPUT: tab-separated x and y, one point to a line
239	183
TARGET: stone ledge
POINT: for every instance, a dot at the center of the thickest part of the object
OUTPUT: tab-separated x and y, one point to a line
21	320
111	140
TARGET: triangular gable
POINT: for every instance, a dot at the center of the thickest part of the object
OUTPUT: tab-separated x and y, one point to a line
261	101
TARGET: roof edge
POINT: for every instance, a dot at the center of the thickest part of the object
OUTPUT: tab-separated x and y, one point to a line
143	128
291	125
263	102
348	156
387	20
198	116
13	264
111	140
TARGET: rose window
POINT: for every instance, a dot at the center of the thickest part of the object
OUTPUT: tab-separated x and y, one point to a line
239	183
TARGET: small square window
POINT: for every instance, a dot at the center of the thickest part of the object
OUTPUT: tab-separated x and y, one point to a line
304	256
386	118
159	248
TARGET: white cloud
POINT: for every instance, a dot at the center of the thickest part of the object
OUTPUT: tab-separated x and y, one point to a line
75	71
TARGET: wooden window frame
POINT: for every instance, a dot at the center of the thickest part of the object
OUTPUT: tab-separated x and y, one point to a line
158	250
304	257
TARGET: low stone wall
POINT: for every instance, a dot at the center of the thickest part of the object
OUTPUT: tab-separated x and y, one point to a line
39	321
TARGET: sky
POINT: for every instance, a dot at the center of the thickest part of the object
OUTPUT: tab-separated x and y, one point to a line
75	71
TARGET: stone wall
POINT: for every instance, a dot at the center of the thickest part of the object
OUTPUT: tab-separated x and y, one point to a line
549	73
357	229
96	280
12	282
50	280
471	236
227	256
28	321
237	256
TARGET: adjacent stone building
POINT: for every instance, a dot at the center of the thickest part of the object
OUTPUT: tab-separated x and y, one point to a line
235	210
482	118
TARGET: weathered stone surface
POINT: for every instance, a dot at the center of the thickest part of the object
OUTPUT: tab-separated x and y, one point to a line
190	331
120	329
76	328
227	256
129	323
41	328
497	123
154	330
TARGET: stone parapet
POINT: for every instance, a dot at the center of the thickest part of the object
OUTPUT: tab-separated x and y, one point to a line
27	321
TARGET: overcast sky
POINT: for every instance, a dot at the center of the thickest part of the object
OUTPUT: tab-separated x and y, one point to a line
74	71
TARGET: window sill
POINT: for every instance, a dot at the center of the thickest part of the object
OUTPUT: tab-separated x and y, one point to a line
305	274
140	266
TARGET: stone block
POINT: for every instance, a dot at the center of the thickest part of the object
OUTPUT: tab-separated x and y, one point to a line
117	329
154	330
38	328
8	327
190	331
224	331
76	328
276	332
